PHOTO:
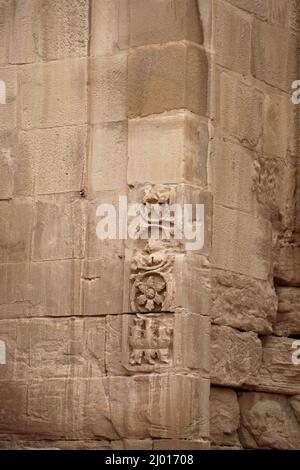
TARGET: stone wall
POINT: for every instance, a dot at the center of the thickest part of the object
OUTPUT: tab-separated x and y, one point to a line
156	100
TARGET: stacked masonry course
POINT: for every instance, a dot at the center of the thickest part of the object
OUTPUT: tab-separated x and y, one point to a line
177	100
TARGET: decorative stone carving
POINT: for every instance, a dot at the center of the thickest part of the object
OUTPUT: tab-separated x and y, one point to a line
147	341
152	281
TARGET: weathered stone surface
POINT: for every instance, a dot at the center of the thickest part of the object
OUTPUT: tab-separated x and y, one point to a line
24	31
108	88
238	249
258	7
109	26
143	406
243	302
63	28
162	78
176	444
274	55
55	158
167	149
43	348
232	167
15	291
224	417
187	348
157	22
288	316
287	267
5	23
15	235
39	444
58	228
268	422
278	374
277	119
55	288
109	139
240	110
232	38
53	94
235	357
6	171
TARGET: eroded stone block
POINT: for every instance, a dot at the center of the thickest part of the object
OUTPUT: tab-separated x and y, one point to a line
224	417
288	316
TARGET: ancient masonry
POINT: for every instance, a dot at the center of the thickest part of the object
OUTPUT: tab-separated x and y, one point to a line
145	345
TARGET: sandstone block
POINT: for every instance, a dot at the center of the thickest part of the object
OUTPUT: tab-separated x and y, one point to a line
58	228
238	249
232	38
55	288
25	21
8	111
243	302
235	357
167	149
287	267
224	417
277	120
13	407
63	29
240	110
53	94
109	156
183	343
268	422
288	316
5	24
258	7
157	22
56	157
15	235
132	444
278	374
15	291
108	88
6	171
162	78
274	55
232	173
109	26
143	406
177	444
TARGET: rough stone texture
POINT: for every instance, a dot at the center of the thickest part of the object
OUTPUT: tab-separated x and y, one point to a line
288	316
278	374
224	417
268	422
235	357
243	303
162	78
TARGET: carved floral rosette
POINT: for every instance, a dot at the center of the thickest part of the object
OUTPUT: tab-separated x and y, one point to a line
152	288
147	341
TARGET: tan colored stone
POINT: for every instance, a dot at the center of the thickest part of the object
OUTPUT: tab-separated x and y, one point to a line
238	249
63	29
243	302
278	374
13	406
167	149
277	113
14	290
109	26
232	174
288	317
274	55
5	24
232	38
109	156
258	7
224	417
108	88
162	78
6	172
143	406
53	94
132	444
58	228
15	235
188	349
39	444
57	158
24	34
157	22
240	110
55	288
235	357
268	422
8	111
287	267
